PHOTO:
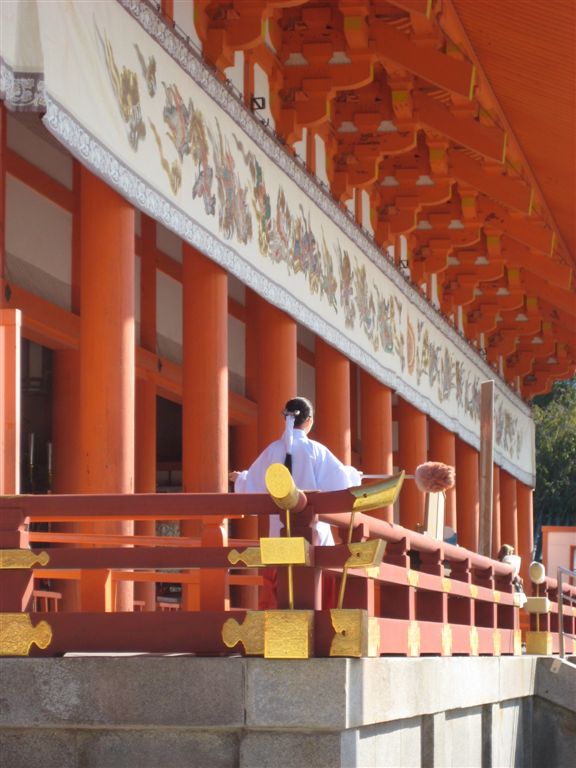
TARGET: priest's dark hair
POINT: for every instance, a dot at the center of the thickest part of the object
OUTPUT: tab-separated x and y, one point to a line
301	408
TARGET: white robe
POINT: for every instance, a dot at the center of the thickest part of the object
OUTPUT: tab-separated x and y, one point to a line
314	468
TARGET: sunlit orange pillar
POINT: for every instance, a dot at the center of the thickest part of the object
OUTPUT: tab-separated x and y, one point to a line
442	447
277	369
332	420
107	367
145	459
508	509
205	406
10	324
66	466
467	495
412	451
524	498
271	369
496	532
376	431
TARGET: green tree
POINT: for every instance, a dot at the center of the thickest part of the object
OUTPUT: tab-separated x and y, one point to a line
555	492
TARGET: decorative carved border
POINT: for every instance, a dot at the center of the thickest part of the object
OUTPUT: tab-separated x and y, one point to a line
22	91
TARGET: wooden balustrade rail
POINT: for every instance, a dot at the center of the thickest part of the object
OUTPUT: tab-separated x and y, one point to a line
421	596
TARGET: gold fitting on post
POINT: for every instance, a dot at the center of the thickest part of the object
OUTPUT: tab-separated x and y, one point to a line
281	487
288	634
352	630
378	495
288	551
366	554
250	557
17	635
250	633
22	559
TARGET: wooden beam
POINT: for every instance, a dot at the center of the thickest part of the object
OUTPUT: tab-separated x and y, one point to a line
446	72
486	467
483	139
39	181
513	193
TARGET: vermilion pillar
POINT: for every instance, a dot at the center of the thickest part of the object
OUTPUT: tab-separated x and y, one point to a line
271	365
10	323
508	510
376	431
442	447
66	474
107	354
412	445
332	421
145	459
467	494
524	498
496	533
205	405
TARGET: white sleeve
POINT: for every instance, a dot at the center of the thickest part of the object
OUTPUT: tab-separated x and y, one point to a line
331	474
253	480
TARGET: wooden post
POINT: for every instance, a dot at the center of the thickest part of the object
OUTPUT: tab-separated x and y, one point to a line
508	510
107	352
467	494
411	452
376	420
332	418
442	447
486	467
205	407
10	323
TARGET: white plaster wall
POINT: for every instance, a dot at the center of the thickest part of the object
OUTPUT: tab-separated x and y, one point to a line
169	317
38	243
558	550
236	355
41	151
306	380
168	242
235	73
262	88
321	159
184	18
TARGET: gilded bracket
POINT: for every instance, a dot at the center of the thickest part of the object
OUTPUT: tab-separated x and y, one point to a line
288	634
413	639
413	578
17	635
22	559
294	550
366	554
496	642
250	557
355	633
250	633
446	640
474	641
381	494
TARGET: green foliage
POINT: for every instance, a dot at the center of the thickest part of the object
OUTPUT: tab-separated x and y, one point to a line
555	494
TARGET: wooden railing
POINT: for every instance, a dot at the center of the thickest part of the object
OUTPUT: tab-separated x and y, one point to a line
398	591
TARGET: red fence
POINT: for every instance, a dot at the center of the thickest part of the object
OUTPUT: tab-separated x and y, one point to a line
388	591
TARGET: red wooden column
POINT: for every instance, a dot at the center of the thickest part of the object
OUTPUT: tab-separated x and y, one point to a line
442	447
524	498
66	463
508	510
332	418
205	406
412	451
467	494
145	459
376	430
107	362
10	323
496	532
271	364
